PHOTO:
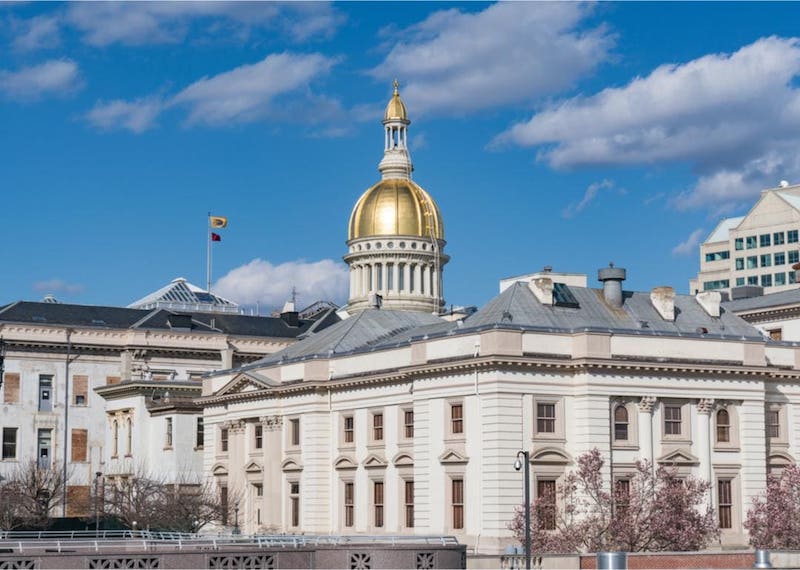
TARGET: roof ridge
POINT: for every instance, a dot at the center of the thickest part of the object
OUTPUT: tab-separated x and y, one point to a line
350	328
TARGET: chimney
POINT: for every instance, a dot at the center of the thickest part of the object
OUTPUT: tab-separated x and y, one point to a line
375	301
710	301
612	278
663	299
543	290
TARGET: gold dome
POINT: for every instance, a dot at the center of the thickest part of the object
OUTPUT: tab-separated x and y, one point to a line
396	109
395	207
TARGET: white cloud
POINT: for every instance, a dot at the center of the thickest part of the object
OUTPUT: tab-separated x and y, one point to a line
271	285
36	33
144	23
243	94
735	118
590	194
135	116
455	62
689	246
54	77
54	286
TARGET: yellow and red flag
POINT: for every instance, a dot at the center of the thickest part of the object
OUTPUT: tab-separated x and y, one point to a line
218	221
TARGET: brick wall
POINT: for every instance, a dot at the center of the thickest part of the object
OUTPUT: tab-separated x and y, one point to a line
711	560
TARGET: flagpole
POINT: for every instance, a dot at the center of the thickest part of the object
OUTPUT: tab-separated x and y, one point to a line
208	256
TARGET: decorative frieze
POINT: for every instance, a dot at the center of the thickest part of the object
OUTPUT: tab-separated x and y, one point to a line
647	404
271	423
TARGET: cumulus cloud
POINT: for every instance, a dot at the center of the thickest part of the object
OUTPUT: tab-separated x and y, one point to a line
54	77
454	62
271	285
243	94
54	286
145	23
735	118
689	246
590	194
36	33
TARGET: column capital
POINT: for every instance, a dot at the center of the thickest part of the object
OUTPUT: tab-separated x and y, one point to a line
705	406
647	404
234	426
271	423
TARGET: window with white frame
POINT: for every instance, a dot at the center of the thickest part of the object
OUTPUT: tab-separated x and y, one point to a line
457	418
348	429
349	504
457	502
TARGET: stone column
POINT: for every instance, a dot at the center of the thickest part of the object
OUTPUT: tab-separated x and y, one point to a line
396	276
272	475
384	275
407	277
704	408
374	270
646	406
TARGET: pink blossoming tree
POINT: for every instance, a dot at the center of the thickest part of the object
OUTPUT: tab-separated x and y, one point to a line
655	510
774	518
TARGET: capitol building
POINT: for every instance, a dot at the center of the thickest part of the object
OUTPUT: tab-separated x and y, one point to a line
399	419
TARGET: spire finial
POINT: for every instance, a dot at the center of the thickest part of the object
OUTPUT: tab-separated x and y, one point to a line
396	87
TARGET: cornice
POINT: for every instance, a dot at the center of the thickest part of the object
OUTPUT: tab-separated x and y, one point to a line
129	388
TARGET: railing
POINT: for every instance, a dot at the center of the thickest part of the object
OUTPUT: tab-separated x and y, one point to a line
20	542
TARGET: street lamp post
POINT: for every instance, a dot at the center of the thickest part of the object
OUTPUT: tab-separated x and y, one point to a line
97	476
518	464
236	518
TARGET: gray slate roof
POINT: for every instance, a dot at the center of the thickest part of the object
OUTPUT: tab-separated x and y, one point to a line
789	297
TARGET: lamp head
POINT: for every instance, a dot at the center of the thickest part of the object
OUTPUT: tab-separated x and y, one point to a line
518	464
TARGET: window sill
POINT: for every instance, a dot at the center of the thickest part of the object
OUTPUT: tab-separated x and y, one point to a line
625	446
457	438
778	443
167	448
198	448
549	437
128	455
727	448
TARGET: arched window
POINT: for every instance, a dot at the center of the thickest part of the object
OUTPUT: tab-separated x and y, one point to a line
129	446
115	434
723	426
621	423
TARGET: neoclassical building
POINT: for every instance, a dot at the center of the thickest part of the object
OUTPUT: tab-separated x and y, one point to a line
397	420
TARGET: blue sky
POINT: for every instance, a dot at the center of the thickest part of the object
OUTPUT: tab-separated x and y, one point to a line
559	134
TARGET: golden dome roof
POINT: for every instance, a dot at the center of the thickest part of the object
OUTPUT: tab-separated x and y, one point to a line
396	109
395	207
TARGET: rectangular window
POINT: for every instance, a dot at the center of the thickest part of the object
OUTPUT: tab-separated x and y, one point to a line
168	438
458	503
349	426
718	256
775	334
794	256
780	258
223	503
44	441
408	424
45	393
766	260
546	513
780	279
80	387
377	497
294	502
620	423
752	280
739	263
725	501
752	243
791	236
739	244
723	417
457	418
9	443
11	388
752	262
258	489
377	427
778	238
719	284
80	439
199	436
672	420
294	427
223	440
764	240
258	433
739	281
622	494
791	277
409	502
774	424
545	418
766	280
349	504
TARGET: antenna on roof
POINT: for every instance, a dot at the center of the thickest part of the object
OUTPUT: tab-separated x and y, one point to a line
294	294
784	184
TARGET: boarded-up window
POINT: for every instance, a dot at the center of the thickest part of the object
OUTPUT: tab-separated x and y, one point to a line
11	388
78	500
112	380
80	390
79	441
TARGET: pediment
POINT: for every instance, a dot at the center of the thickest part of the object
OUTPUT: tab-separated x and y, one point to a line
291	465
780	459
452	457
550	456
219	470
374	461
253	467
403	459
246	382
678	457
345	462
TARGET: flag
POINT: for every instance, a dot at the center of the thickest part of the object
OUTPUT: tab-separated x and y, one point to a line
218	221
215	237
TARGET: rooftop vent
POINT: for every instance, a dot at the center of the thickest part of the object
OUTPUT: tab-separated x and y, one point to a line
543	289
663	299
612	278
710	301
746	291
